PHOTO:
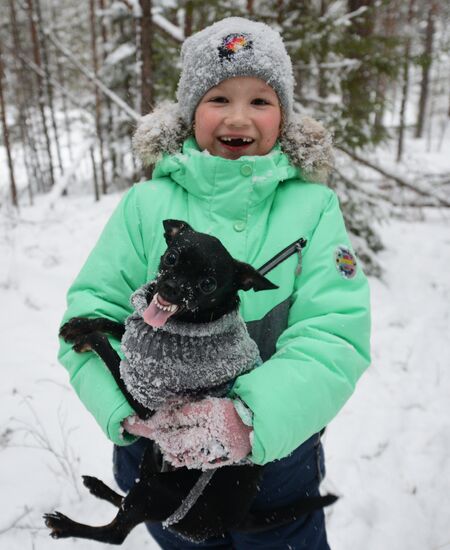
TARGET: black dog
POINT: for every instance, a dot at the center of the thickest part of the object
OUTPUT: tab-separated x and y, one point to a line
198	282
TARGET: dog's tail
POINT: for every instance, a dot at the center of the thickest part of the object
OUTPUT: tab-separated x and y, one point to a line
256	522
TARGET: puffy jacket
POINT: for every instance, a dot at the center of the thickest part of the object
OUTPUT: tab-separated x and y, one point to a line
313	331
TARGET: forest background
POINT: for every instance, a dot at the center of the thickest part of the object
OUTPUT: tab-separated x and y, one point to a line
75	77
373	71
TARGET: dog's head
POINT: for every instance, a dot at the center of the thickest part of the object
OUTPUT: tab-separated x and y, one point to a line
198	279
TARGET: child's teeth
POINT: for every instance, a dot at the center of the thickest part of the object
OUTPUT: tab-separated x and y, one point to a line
244	139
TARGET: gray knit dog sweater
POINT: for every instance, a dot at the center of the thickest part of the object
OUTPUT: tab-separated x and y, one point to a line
183	359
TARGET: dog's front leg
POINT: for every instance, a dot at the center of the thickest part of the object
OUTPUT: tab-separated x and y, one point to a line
100	344
82	334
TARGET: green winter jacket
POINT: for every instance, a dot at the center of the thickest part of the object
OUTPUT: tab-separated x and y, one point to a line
314	329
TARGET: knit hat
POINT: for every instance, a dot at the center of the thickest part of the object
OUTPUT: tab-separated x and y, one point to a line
233	47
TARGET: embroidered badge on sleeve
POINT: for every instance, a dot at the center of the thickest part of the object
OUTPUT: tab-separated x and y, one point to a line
345	262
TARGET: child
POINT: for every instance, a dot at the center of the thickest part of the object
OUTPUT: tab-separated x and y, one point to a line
233	160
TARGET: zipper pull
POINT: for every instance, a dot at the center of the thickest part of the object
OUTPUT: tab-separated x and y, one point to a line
287	252
299	245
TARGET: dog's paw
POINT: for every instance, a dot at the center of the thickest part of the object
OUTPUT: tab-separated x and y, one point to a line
59	524
74	328
82	344
95	486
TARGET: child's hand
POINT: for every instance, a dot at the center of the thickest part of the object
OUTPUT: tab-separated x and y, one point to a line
136	426
203	434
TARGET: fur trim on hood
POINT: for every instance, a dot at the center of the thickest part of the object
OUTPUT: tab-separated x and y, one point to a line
304	140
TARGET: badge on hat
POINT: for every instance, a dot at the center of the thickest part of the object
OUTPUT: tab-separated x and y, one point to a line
232	44
345	262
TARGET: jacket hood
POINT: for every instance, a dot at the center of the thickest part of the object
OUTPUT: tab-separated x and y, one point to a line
304	140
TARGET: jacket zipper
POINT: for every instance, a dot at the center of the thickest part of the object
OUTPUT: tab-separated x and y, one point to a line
295	247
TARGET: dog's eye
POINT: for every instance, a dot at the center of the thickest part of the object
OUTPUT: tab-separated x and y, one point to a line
171	258
208	285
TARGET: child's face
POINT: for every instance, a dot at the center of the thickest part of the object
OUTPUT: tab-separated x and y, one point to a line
239	116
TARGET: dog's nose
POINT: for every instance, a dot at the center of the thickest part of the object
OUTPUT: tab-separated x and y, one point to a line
170	289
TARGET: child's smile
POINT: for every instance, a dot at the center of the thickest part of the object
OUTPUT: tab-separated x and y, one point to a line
239	116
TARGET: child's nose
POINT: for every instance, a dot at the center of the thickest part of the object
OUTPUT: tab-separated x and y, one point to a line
237	116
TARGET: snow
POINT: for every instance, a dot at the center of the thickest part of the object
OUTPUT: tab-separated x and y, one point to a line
120	54
387	451
175	32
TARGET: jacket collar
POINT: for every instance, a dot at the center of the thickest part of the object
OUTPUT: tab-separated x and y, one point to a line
205	176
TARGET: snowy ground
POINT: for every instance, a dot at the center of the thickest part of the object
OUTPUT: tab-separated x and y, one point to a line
388	452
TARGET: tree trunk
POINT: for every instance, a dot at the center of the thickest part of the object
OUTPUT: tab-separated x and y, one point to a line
389	26
109	109
62	81
94	174
98	112
280	10
323	50
45	64
405	86
40	84
188	16
6	136
23	110
146	56
426	66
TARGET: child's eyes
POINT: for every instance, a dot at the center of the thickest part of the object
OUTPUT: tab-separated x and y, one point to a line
223	99
260	101
219	99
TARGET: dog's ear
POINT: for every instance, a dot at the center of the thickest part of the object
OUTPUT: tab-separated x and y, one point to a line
247	277
172	228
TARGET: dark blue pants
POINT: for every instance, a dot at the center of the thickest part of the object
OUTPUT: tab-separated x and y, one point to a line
283	482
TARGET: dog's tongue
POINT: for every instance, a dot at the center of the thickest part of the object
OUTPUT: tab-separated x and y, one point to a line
155	316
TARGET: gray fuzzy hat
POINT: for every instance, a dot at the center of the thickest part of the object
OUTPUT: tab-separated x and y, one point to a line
233	47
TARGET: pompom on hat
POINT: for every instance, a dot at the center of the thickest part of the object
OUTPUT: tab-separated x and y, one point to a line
233	47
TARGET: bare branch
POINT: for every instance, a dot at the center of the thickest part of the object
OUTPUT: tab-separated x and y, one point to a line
88	74
13	524
401	182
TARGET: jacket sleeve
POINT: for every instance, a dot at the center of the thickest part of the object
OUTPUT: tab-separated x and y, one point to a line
114	269
321	354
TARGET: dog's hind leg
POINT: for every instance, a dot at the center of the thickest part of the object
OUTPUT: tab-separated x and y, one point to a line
100	490
113	533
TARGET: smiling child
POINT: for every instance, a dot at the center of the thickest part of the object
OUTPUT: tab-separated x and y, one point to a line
234	160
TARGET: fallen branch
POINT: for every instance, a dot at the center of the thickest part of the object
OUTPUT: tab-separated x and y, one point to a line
401	182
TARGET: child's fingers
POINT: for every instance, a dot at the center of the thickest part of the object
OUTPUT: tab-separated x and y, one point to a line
136	426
